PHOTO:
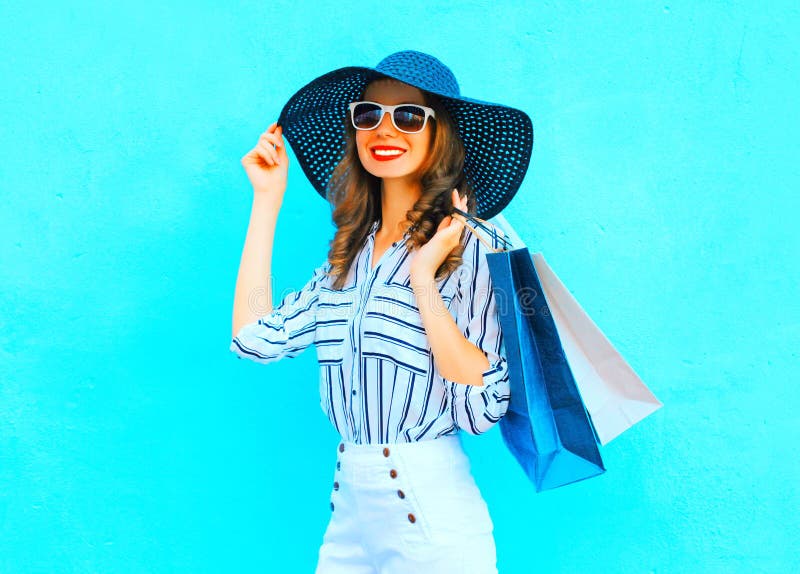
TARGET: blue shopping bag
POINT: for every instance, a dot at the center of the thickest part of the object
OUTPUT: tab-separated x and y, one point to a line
547	427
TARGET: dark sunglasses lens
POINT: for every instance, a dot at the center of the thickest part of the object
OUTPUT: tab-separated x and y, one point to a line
366	116
409	118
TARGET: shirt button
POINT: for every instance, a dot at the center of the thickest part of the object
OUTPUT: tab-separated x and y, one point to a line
331	505
385	452
393	473
411	518
341	447
354	391
401	494
336	485
338	465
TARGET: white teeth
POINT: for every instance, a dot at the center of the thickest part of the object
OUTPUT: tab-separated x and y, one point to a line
386	152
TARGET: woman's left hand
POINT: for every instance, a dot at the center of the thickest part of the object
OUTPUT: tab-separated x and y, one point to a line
447	237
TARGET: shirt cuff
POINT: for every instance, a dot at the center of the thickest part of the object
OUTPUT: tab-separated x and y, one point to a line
477	408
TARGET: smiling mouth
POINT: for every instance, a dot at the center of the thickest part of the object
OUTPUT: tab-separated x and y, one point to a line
386	154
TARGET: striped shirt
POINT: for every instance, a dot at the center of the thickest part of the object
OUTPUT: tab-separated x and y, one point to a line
378	381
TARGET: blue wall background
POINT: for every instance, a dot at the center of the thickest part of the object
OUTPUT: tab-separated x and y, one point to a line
662	189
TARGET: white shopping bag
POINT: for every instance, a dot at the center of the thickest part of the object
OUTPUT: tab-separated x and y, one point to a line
614	395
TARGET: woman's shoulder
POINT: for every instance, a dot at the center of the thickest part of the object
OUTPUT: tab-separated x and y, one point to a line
321	274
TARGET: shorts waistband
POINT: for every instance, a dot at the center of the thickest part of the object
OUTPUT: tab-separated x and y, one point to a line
364	456
356	450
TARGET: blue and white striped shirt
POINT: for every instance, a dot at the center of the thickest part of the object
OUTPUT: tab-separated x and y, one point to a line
378	381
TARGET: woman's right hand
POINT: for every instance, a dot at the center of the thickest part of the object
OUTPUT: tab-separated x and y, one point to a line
266	165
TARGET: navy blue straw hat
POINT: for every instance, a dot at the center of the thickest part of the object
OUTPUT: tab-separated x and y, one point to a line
497	139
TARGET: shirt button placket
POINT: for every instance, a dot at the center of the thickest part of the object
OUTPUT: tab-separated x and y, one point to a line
356	366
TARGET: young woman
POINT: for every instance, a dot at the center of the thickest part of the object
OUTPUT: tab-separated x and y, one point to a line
402	311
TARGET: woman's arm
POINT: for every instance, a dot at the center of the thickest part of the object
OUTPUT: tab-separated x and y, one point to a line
456	357
468	352
288	329
266	166
253	296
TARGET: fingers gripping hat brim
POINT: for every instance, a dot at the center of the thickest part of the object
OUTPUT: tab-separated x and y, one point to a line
498	139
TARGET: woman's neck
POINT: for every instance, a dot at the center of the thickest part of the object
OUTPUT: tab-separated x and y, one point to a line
398	196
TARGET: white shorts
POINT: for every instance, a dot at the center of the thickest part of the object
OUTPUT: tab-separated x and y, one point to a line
407	507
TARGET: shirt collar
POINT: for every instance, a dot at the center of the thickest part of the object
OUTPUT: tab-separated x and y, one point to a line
374	228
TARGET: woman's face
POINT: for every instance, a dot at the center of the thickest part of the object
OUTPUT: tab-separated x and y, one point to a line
415	146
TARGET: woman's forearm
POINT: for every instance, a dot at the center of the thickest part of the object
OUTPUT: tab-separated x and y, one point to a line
253	296
457	358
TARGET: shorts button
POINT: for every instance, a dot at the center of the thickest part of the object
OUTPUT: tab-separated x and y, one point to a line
401	494
385	452
393	473
335	485
411	518
341	447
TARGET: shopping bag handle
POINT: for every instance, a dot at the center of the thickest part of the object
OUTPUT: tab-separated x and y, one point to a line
463	216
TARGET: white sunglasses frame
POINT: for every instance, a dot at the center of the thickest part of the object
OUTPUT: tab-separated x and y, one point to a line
390	110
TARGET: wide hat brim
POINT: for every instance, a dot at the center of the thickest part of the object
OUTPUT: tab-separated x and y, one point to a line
497	139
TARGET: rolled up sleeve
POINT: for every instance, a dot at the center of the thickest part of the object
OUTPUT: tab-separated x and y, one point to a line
477	408
288	330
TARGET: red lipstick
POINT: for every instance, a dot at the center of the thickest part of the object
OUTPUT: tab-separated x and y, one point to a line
390	152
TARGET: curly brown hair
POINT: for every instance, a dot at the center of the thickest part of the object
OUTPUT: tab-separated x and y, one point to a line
354	194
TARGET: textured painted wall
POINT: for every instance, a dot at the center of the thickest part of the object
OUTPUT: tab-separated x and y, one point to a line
663	190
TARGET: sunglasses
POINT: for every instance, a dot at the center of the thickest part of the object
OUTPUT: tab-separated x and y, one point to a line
408	118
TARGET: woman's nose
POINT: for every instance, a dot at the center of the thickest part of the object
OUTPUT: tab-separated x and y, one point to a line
386	125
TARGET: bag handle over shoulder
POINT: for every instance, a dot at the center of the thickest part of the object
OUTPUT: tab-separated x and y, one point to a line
495	231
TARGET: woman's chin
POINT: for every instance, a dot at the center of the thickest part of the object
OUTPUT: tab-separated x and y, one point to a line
389	172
